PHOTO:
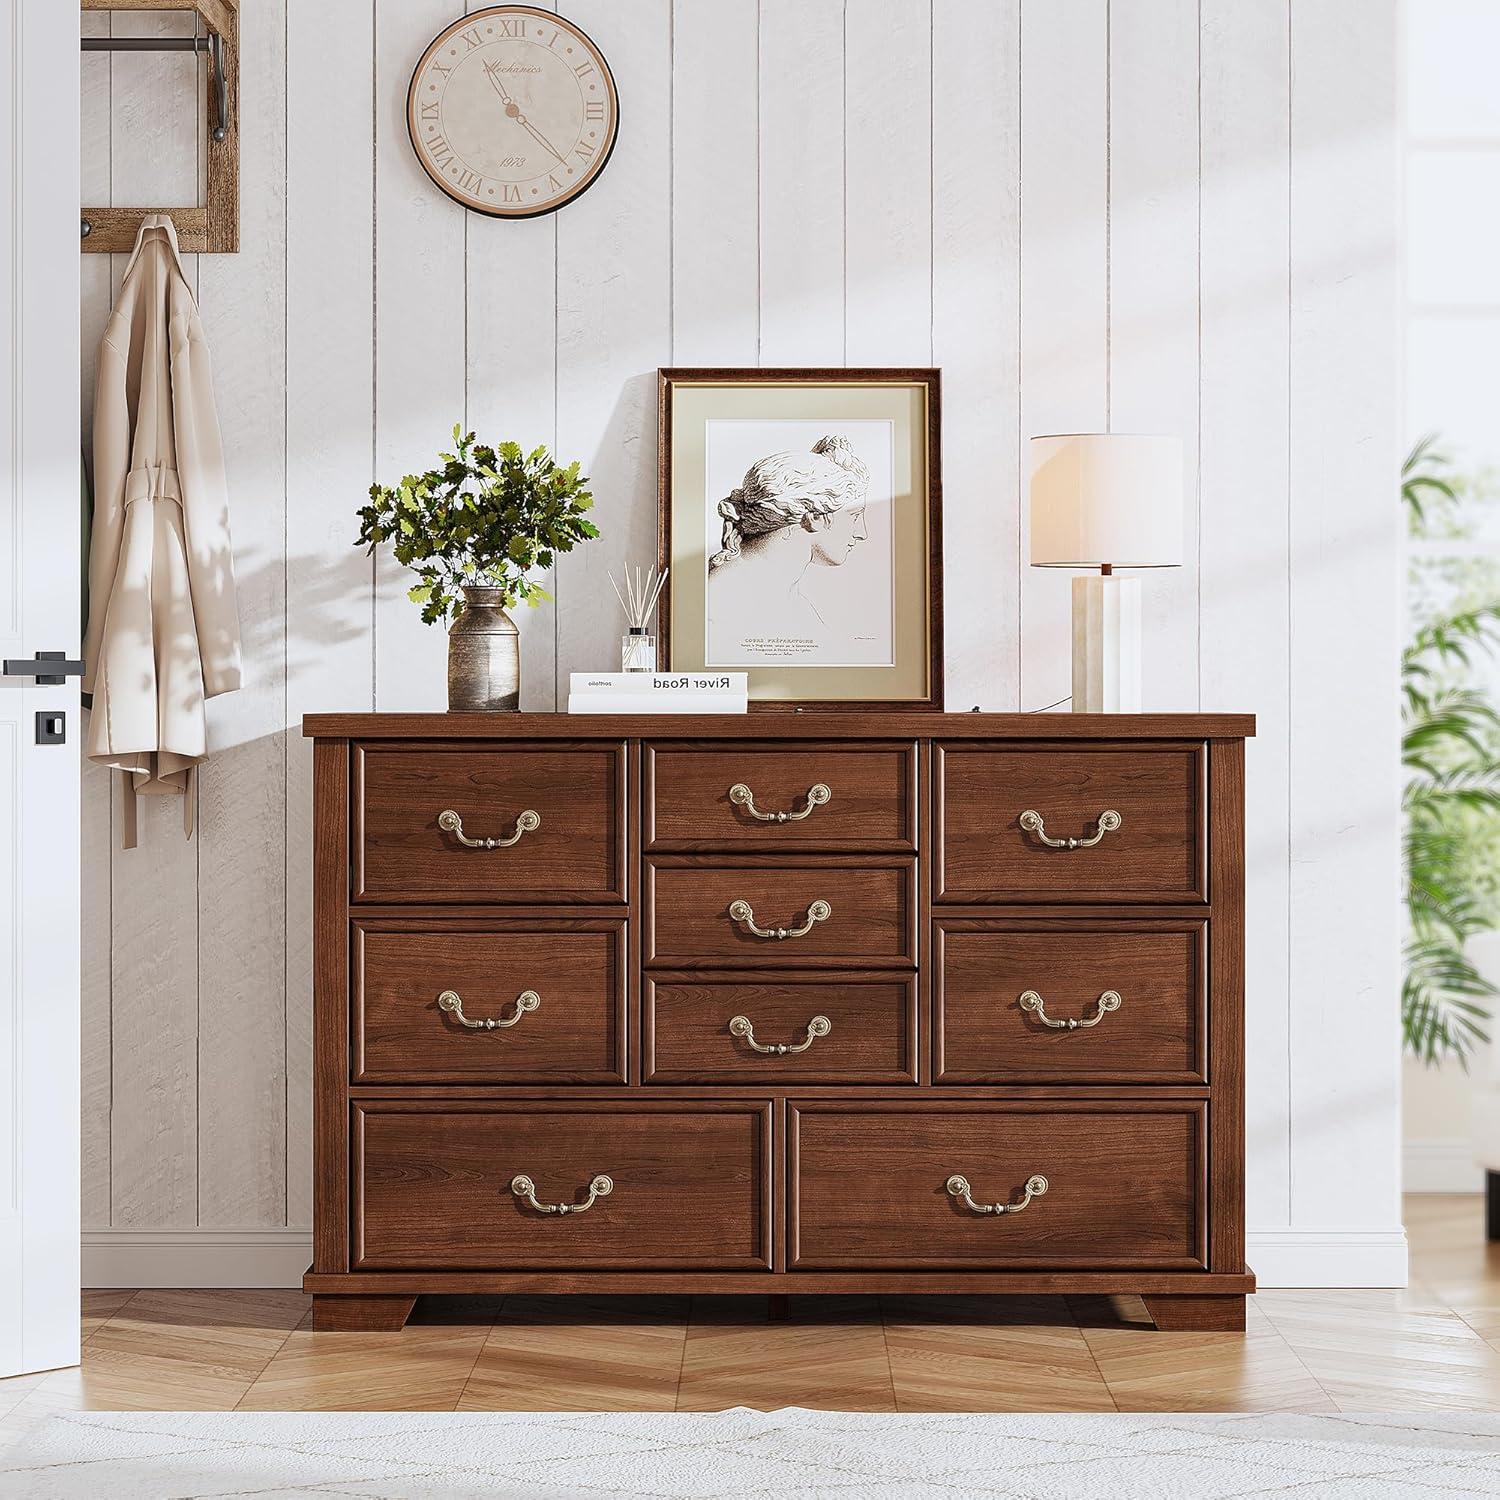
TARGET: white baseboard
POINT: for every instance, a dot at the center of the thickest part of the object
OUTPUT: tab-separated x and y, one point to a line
1327	1257
278	1257
1441	1166
195	1257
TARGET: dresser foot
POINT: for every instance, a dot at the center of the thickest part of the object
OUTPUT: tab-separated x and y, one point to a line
1186	1312
778	1307
337	1314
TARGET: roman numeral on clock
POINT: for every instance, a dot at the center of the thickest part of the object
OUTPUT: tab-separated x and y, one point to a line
439	150
585	151
470	39
594	109
556	185
430	110
513	28
471	182
510	193
583	69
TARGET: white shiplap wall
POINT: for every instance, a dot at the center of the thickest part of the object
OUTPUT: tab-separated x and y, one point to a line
1160	214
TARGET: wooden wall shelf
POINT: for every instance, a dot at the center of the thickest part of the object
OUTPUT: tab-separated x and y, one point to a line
213	227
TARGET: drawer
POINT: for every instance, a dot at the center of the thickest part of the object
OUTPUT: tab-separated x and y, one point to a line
435	1184
571	850
556	991
997	808
833	796
833	912
1152	971
870	1185
870	1035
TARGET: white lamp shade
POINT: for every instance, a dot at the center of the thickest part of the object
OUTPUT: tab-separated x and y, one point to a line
1106	498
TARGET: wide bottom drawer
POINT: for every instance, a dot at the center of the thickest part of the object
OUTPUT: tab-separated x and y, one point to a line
1091	1185
658	1185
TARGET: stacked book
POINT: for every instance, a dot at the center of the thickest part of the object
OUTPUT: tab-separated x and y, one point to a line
657	693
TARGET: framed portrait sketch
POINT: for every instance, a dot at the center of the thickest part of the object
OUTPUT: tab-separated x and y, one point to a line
800	515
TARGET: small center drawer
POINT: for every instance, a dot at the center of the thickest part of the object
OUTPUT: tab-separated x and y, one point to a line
1045	822
688	1185
519	824
834	796
872	1185
426	993
835	1028
1069	1000
807	913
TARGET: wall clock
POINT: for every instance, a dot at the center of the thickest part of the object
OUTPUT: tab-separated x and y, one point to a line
512	111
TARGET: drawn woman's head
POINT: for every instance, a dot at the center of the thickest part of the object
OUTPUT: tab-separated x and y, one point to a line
823	493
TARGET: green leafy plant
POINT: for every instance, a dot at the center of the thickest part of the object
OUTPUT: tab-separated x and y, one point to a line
486	518
1451	750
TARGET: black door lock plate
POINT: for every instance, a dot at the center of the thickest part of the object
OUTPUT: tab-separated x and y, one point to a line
51	726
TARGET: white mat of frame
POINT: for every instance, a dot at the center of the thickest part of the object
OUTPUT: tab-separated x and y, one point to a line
805	1454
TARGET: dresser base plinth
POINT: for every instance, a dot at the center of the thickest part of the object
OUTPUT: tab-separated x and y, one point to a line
361	1314
1196	1314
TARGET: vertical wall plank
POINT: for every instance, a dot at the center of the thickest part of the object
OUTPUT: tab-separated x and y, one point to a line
512	387
154	888
715	213
801	182
242	800
1244	519
94	290
419	343
330	417
613	320
888	172
1064	285
976	268
1346	587
1153	298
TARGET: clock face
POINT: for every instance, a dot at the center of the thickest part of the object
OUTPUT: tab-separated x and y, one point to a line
512	111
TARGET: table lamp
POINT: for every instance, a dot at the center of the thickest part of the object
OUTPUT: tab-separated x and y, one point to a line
1106	501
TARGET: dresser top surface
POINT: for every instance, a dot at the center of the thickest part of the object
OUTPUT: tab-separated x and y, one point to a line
779	724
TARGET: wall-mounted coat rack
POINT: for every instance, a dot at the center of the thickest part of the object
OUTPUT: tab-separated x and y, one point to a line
213	227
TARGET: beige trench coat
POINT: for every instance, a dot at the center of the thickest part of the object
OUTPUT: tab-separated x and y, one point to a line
163	633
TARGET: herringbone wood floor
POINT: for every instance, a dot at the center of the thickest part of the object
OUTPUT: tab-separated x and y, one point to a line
1436	1344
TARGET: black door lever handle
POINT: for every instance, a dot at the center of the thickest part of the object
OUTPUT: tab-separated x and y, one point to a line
48	667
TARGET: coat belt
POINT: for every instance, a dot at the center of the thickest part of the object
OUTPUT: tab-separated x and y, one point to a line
152	482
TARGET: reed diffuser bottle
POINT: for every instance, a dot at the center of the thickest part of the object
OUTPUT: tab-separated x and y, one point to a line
638	600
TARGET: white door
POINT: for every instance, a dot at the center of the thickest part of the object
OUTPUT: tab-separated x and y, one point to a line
39	603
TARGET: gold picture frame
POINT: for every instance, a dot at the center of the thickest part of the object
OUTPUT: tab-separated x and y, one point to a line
818	569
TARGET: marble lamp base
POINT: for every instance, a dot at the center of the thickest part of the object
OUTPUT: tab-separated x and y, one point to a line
1106	644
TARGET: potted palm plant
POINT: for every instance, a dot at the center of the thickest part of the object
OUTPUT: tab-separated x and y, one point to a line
476	530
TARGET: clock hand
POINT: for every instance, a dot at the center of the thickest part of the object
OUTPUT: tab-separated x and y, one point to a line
514	111
540	138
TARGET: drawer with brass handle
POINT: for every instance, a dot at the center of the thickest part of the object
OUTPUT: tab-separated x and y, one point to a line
1095	1185
464	1000
833	911
836	797
605	1185
1031	823
1074	999
840	1027
521	824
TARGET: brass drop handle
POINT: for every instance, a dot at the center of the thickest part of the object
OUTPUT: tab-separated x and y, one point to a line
1108	1001
741	911
742	796
958	1187
526	1002
1108	821
450	822
740	1026
525	1189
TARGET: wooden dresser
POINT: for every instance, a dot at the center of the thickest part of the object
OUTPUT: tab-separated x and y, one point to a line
834	1002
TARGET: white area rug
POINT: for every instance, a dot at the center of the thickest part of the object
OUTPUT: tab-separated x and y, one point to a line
727	1455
